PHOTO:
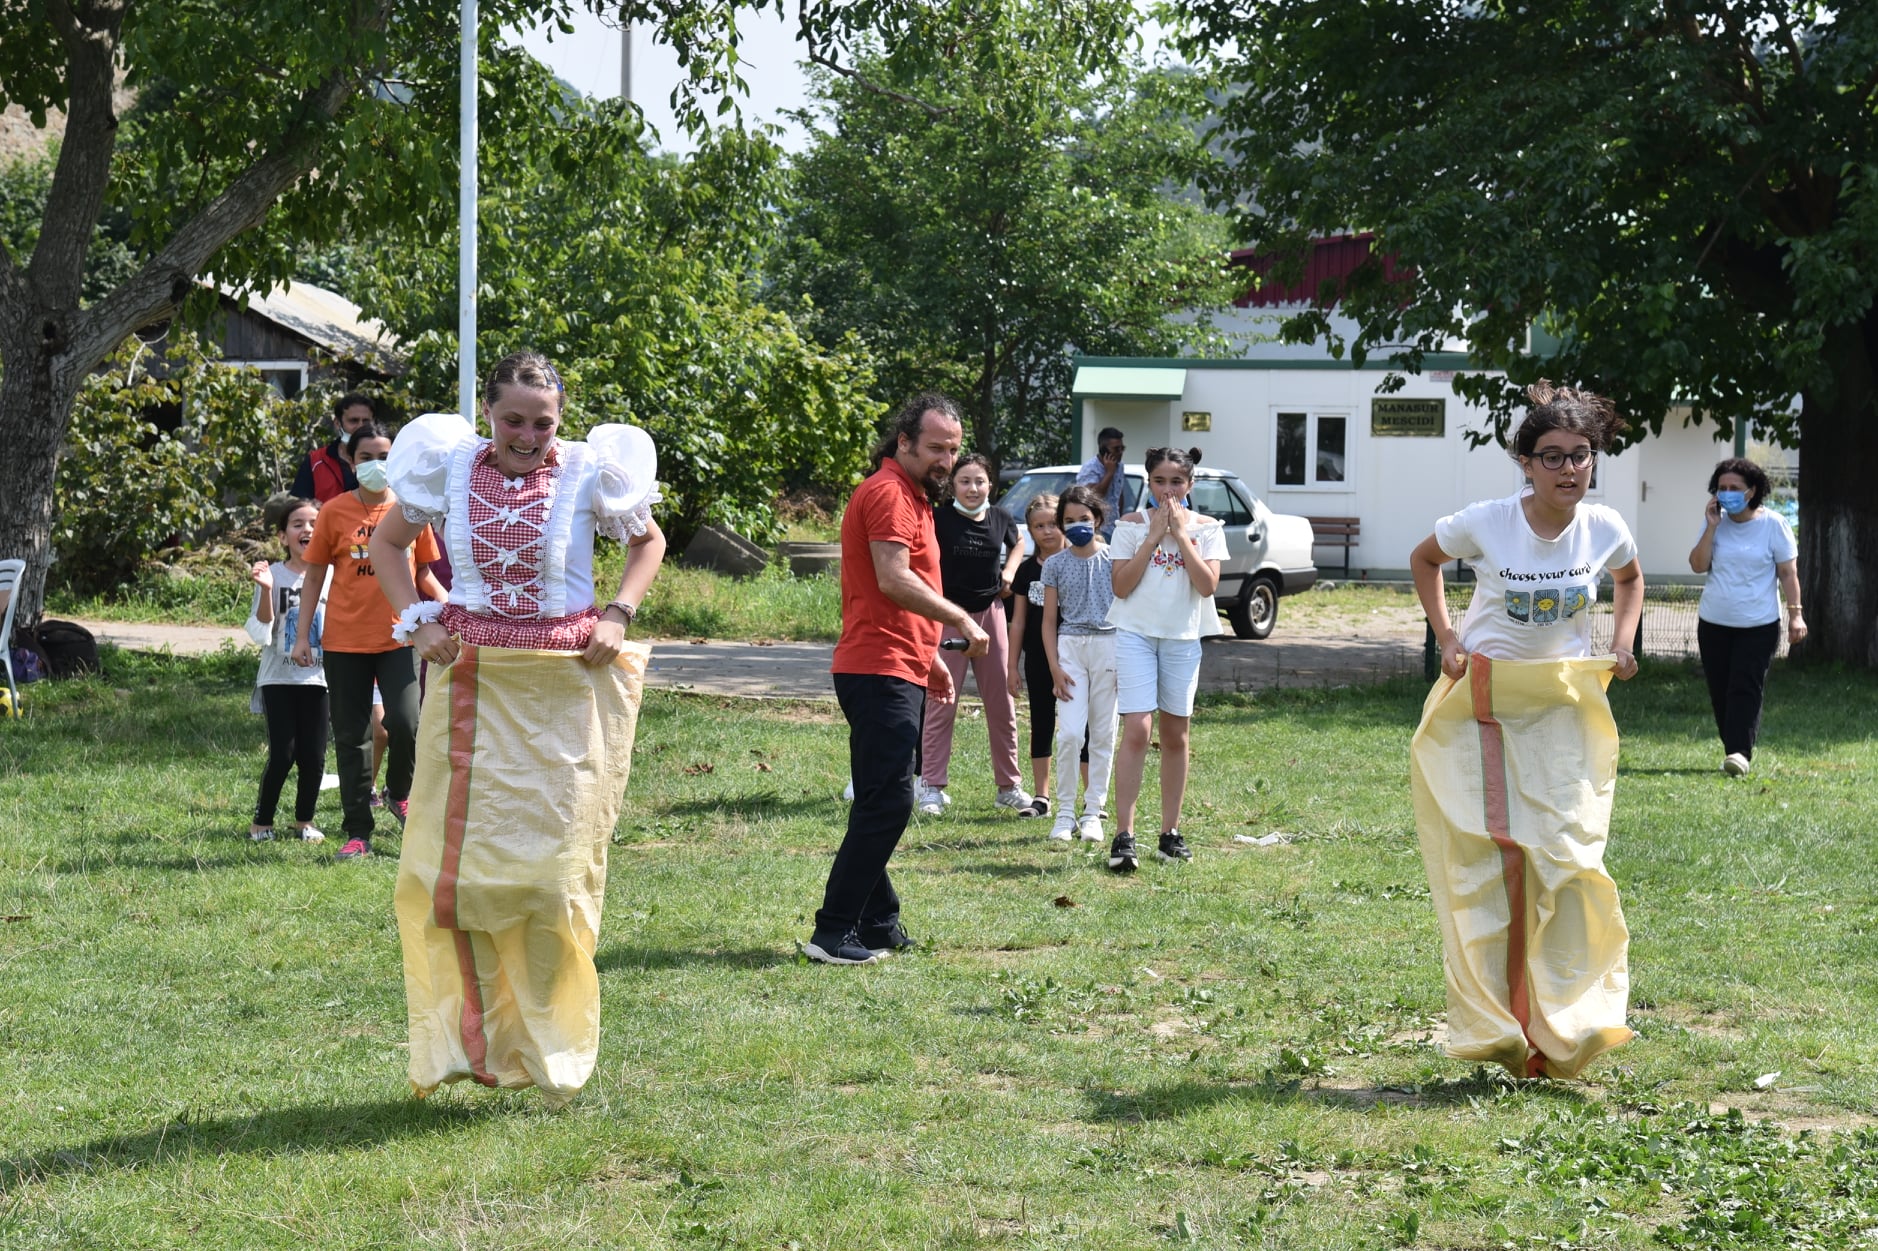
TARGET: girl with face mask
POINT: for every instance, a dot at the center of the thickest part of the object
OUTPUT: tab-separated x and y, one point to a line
979	552
358	650
1078	590
1745	550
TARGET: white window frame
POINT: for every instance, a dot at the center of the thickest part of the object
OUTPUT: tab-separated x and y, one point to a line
1312	482
285	366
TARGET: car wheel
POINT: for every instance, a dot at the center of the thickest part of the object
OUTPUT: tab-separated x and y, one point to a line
1256	612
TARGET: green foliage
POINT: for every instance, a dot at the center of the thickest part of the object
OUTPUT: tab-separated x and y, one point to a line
24	185
979	216
1682	197
637	276
157	460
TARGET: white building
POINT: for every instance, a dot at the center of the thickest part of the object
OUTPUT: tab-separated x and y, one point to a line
1312	435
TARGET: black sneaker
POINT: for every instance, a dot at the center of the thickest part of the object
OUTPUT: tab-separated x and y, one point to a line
1037	807
1173	847
830	948
884	942
1122	853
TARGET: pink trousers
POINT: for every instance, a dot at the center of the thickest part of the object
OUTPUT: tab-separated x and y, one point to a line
992	672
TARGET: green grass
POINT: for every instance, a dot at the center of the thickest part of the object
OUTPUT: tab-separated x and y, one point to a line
205	1036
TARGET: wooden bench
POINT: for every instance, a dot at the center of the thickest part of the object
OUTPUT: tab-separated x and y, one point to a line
1343	532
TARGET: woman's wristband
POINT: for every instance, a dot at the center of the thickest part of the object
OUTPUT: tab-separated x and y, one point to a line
423	612
626	610
1793	610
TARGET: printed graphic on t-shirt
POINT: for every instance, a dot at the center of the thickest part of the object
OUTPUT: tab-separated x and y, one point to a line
1167	562
288	610
361	551
1546	605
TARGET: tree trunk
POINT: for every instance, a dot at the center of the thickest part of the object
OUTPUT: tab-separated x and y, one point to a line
35	409
1838	506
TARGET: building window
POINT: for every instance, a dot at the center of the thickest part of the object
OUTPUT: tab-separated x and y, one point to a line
1311	450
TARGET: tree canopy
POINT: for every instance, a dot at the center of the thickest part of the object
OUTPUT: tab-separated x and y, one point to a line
1686	192
979	217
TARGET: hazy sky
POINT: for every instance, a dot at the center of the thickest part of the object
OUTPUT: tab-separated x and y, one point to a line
589	59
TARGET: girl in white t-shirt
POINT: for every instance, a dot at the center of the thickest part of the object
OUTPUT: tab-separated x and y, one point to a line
291	696
1166	562
1513	771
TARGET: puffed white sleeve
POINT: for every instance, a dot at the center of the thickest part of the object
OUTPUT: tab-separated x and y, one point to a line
419	464
626	482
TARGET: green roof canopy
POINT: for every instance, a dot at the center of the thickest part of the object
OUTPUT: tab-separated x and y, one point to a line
1114	382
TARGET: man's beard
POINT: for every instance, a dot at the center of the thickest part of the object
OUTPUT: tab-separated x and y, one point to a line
935	484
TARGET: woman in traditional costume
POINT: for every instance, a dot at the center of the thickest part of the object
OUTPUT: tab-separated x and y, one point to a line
1515	761
527	727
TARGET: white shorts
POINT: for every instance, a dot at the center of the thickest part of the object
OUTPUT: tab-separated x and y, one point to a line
1155	674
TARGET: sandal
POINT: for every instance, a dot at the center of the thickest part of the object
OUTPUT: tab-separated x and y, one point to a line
1037	807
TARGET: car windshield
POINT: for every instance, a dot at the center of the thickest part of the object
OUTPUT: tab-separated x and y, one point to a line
1029	487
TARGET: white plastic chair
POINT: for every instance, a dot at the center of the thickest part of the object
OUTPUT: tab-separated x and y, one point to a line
10	571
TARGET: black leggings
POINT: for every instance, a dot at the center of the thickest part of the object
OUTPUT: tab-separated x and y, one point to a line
296	738
1042	694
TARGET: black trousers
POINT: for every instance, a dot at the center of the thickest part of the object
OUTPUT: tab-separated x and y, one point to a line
296	739
1735	660
349	678
884	717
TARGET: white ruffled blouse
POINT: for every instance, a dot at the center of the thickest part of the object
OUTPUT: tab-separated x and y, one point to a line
606	485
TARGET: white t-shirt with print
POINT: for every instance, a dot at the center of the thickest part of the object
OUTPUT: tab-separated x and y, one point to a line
1164	604
1533	597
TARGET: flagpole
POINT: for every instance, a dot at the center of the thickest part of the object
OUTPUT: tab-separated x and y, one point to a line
466	221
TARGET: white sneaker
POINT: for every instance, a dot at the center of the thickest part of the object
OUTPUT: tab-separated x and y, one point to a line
310	835
1064	829
1735	765
1014	797
847	792
1089	829
932	800
262	836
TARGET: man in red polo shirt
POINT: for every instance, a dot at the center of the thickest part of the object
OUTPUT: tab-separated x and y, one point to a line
886	667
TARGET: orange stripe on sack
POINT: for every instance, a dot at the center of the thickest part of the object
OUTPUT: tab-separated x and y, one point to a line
1512	856
455	821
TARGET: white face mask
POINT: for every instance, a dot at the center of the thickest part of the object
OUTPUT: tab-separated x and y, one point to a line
373	475
976	514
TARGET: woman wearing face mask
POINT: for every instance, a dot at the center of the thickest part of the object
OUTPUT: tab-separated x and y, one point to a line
357	647
1744	549
979	552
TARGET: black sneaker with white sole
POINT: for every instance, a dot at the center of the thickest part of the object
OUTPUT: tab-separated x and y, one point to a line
1173	847
826	947
1122	853
885	941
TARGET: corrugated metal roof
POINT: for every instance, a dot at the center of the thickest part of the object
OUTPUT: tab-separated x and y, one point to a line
326	319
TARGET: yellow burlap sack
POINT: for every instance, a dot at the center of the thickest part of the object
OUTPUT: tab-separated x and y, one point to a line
522	759
1514	768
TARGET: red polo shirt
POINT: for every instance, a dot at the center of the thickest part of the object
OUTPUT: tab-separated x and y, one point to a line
877	635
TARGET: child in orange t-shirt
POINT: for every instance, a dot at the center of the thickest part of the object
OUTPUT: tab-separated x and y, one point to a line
357	645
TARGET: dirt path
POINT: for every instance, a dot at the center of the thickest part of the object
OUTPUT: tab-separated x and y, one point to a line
1312	647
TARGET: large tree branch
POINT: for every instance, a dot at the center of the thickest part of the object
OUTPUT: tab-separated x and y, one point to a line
163	281
56	272
818	57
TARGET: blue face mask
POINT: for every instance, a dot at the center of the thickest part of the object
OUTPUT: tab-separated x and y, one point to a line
1732	502
1082	534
